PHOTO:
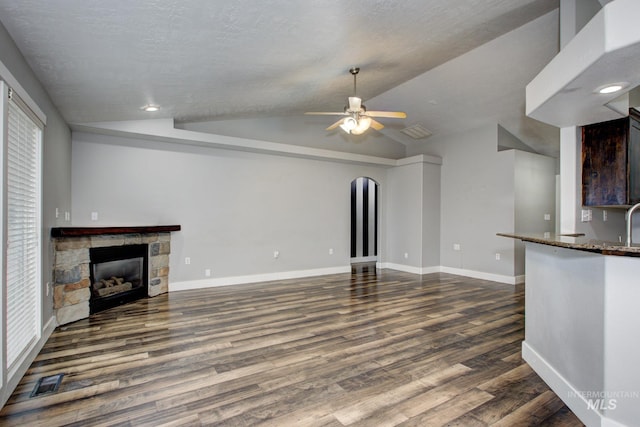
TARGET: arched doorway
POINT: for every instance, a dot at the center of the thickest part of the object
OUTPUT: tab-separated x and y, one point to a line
364	220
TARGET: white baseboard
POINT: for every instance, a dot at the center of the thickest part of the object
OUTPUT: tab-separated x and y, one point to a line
364	259
49	327
255	278
408	268
560	386
510	280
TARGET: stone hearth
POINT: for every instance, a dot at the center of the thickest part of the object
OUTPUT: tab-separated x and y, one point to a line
71	287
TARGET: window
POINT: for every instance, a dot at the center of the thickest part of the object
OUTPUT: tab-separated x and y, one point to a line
23	231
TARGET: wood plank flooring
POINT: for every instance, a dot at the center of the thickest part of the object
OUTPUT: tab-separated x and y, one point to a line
372	348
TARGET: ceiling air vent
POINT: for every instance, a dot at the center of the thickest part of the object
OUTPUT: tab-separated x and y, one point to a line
416	132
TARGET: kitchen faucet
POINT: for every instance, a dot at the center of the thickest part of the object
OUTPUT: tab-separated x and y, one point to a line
630	222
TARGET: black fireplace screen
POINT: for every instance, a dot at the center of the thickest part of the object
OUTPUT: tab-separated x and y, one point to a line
119	274
112	277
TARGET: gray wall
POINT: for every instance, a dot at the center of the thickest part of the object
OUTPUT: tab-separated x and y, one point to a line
56	189
431	214
574	14
508	141
404	225
477	201
485	191
535	188
413	220
235	208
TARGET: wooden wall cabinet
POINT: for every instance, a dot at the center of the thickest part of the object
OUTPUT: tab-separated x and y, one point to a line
611	162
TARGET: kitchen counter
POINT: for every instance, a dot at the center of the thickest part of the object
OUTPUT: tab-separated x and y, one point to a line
578	242
581	322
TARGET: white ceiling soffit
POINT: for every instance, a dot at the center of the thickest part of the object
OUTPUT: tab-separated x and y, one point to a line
605	51
164	130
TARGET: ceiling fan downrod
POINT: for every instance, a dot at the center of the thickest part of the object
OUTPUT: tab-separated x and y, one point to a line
354	71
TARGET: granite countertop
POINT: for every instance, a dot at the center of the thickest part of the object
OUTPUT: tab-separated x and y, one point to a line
579	242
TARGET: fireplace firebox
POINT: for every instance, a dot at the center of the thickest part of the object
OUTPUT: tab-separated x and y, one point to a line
118	275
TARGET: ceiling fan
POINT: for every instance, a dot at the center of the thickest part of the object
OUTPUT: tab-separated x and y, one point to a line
358	119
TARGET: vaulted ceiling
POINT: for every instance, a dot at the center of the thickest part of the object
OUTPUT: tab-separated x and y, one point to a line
256	66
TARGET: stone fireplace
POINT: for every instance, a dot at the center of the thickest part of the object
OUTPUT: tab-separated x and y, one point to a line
99	267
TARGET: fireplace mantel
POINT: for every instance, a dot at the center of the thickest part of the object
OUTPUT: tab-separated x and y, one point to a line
99	231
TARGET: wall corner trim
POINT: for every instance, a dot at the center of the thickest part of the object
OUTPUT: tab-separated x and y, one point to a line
420	158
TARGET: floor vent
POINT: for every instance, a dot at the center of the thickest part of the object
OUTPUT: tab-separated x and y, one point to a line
48	384
417	132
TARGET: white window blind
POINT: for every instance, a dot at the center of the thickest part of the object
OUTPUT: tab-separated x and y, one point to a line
23	232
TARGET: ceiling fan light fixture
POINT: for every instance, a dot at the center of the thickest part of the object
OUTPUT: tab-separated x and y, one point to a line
363	124
349	124
358	119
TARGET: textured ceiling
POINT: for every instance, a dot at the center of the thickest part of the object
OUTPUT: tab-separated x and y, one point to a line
211	60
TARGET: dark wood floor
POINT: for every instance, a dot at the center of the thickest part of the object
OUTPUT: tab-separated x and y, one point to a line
376	348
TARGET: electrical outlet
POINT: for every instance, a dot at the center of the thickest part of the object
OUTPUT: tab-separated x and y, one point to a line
605	216
207	272
587	215
187	260
94	216
547	217
330	251
497	256
57	213
276	254
67	216
456	246
406	255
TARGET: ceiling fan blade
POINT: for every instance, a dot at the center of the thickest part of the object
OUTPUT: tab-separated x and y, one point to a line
389	114
335	125
326	113
376	125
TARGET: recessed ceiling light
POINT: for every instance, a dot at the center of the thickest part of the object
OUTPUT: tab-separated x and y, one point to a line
611	88
150	108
